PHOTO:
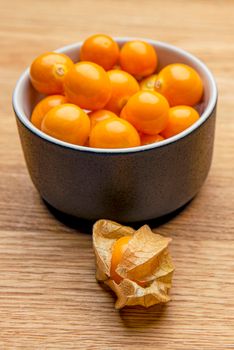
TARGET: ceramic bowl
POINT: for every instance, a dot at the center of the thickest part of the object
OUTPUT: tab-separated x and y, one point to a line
126	185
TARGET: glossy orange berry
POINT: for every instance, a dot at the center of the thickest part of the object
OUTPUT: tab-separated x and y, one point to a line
180	118
180	84
118	250
147	111
68	123
114	133
148	83
148	139
123	86
47	72
100	49
138	58
44	106
87	85
100	115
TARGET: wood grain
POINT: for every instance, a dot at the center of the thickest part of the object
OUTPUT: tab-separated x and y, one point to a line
49	298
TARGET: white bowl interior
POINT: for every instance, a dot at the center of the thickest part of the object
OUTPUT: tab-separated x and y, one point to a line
25	97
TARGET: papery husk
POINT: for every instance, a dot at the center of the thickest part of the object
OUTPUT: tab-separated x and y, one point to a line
146	266
105	233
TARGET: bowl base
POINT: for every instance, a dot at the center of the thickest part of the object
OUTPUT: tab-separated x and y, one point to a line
85	225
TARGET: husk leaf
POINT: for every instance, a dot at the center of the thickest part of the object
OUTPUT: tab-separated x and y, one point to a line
146	266
105	233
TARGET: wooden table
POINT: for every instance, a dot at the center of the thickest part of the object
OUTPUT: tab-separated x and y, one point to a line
49	298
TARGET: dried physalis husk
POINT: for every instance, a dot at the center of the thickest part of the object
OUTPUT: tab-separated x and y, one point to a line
145	267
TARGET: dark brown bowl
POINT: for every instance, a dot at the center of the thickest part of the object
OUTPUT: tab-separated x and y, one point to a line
131	184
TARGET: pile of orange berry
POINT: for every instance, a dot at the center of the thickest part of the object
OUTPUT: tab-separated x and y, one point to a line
113	97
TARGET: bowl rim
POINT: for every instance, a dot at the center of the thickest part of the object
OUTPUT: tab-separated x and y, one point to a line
19	112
